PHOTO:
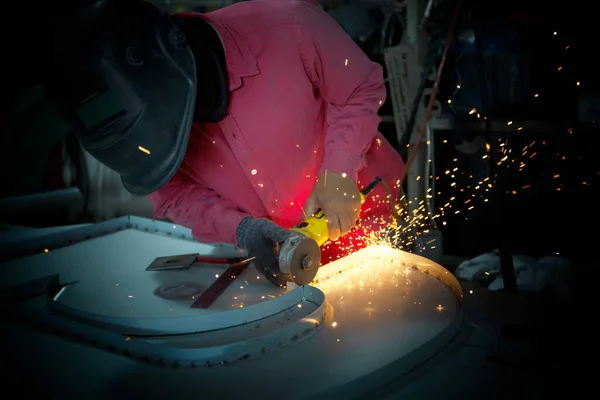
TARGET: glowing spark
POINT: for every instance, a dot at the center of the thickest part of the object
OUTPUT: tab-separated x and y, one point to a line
144	150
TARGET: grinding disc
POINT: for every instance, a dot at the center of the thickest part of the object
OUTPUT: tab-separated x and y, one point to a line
300	257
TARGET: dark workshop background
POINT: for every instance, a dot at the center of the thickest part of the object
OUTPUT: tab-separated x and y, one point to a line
539	73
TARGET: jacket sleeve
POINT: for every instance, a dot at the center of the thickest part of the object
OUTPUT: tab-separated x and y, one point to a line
348	81
185	202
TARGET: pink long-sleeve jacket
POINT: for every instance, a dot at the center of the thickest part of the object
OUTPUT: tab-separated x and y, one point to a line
304	99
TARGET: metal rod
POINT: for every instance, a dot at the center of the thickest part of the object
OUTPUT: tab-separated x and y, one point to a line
219	286
507	269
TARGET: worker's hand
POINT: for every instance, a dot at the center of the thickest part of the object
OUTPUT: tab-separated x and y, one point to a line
339	198
260	237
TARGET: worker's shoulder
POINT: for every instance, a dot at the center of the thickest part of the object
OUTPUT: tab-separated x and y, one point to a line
258	15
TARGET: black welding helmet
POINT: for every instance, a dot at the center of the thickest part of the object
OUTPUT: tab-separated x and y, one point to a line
124	79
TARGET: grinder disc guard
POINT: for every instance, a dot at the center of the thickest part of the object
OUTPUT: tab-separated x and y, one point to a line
300	257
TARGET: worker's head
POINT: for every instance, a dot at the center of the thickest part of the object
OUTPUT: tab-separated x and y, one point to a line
122	76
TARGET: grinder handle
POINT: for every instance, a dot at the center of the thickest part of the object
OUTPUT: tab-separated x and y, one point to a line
315	226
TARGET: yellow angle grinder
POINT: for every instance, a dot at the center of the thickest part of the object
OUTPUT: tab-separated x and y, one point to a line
300	254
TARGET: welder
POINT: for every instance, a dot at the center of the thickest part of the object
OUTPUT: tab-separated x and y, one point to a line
236	123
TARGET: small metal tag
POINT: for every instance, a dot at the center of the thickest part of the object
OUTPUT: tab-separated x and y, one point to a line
172	262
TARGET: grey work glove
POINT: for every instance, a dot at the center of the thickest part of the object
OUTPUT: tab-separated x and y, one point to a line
260	237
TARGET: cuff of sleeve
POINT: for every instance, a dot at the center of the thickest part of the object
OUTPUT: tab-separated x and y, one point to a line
230	223
342	162
242	231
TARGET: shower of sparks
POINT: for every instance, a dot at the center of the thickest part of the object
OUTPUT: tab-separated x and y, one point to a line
417	218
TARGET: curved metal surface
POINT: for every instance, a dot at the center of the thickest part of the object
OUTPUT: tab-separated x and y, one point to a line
185	325
361	264
222	347
385	312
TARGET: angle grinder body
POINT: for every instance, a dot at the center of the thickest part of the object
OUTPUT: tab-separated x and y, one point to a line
300	254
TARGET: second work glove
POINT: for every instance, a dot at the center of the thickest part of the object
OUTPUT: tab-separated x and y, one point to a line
339	198
260	237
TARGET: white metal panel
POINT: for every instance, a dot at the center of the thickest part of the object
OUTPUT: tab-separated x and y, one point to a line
387	311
